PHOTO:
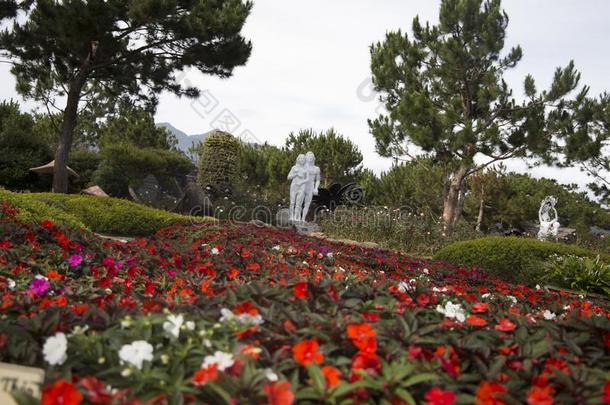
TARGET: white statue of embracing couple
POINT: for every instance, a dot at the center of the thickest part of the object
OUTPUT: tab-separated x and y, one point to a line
305	176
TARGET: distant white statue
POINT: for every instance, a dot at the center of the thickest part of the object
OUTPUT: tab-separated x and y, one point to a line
298	175
305	176
549	220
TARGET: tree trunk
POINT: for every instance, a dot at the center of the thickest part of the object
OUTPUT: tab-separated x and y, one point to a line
451	204
60	170
481	211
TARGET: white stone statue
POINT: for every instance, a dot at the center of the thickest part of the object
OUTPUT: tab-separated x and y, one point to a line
305	176
549	220
298	175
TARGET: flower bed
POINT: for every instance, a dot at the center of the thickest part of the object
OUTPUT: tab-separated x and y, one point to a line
220	313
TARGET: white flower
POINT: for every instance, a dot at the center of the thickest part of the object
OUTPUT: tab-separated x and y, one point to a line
190	325
486	295
538	287
11	283
404	287
55	348
214	251
172	325
136	353
513	299
270	375
548	315
329	255
244	319
276	247
426	271
222	360
451	310
126	322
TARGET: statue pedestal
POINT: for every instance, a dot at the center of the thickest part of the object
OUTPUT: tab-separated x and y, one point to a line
306	228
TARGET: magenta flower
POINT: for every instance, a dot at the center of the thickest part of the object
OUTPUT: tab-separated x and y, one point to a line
39	285
75	260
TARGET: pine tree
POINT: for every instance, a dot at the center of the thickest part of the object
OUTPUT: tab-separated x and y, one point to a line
84	51
444	92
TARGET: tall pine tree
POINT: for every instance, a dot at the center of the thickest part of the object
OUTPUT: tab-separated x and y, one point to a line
444	92
87	50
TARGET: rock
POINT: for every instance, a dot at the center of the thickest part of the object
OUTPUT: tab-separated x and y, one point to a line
306	228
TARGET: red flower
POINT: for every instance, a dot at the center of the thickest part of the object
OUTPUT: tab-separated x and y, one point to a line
61	393
540	395
560	365
289	325
367	362
476	320
423	299
370	316
233	273
332	376
488	393
436	396
300	290
360	331
306	352
480	307
205	375
245	307
278	393
505	325
606	397
46	224
96	390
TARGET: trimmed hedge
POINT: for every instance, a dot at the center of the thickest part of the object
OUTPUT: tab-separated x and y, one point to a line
514	259
219	161
109	215
34	211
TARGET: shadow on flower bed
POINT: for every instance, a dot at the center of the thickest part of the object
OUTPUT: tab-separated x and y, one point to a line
219	313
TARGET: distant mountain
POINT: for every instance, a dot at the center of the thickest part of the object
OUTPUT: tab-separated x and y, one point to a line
184	141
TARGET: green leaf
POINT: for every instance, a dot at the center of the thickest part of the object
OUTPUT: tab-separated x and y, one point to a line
419	378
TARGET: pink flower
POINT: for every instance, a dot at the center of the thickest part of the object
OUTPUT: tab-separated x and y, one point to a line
39	285
75	260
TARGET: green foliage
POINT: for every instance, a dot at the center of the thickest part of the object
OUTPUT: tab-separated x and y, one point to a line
32	210
406	229
514	259
265	166
219	162
85	163
444	91
584	274
21	149
515	198
116	49
136	126
417	184
125	164
99	214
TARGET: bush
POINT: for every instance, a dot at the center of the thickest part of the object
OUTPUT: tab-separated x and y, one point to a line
21	149
98	214
512	258
85	163
125	164
578	273
219	163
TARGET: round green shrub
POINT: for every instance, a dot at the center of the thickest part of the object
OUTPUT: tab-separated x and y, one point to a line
514	259
219	162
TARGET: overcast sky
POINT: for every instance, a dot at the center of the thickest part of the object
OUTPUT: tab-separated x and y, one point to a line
310	66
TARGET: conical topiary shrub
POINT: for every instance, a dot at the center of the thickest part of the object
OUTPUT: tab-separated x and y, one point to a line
219	161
